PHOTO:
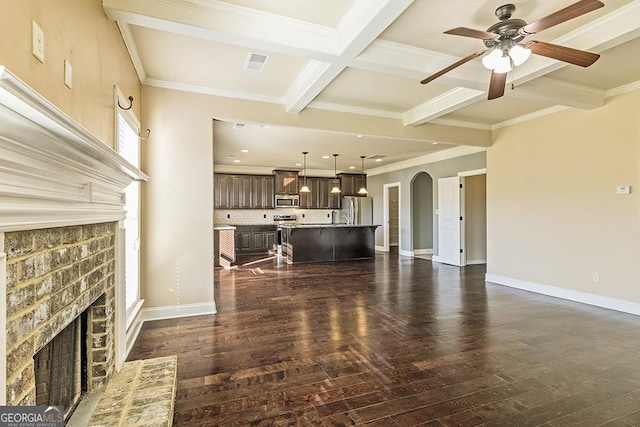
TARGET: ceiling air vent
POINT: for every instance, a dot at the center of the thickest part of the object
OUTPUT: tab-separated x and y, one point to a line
255	61
239	126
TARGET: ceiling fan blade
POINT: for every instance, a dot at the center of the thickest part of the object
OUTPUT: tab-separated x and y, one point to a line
497	85
452	66
562	53
563	15
470	32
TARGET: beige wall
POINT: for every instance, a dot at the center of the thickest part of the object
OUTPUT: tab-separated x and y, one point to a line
177	257
78	31
553	214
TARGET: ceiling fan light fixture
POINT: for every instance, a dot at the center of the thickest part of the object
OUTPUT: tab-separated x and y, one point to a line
519	54
492	59
504	66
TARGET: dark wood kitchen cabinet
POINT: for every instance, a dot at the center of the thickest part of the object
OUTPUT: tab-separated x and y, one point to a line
320	196
221	191
327	199
243	191
255	238
263	192
286	182
351	183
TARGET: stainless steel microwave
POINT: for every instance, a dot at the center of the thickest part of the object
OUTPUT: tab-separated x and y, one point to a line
287	201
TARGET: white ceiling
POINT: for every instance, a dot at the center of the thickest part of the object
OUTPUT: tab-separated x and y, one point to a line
367	57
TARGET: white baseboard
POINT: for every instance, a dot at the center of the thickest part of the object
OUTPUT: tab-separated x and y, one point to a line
476	261
173	311
132	335
423	251
405	253
436	258
380	248
568	294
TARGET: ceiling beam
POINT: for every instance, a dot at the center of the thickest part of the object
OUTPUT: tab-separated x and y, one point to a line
362	24
443	104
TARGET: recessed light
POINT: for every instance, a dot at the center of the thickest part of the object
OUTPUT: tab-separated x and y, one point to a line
378	160
357	135
352	167
298	164
325	157
245	151
434	143
236	161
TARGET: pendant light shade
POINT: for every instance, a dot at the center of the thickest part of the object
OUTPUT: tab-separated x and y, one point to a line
304	188
336	183
363	188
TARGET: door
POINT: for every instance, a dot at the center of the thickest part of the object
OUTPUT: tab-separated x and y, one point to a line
449	221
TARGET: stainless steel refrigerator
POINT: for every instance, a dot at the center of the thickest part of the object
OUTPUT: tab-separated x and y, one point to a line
356	210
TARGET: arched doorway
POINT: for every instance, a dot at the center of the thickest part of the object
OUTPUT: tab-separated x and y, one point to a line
422	215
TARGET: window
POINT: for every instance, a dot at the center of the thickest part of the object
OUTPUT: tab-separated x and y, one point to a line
129	148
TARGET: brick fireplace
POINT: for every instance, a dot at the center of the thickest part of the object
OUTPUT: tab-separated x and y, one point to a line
53	276
61	242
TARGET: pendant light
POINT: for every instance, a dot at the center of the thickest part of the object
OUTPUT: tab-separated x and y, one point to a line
363	188
336	183
304	188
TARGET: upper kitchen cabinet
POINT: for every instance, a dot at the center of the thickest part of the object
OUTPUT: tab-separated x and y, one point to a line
286	182
243	191
263	192
327	199
351	183
221	191
310	200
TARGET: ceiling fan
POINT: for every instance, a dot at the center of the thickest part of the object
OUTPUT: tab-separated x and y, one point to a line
503	38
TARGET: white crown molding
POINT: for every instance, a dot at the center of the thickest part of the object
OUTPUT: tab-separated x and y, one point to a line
52	171
623	89
567	294
560	92
212	91
451	153
354	110
531	116
461	124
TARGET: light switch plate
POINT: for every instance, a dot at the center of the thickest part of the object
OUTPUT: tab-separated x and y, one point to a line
623	189
37	41
68	74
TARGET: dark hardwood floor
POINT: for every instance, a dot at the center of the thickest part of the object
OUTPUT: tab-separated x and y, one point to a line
396	341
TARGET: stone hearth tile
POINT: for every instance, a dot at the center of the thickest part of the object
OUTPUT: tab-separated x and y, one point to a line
141	394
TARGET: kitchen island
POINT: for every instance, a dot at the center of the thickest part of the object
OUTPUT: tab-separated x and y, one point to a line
327	242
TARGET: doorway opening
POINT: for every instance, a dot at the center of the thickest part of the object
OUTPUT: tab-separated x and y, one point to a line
422	215
392	216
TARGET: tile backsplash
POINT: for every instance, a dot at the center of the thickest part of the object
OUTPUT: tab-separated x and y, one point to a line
260	216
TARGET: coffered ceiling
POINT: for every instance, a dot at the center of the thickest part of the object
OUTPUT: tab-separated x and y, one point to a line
367	57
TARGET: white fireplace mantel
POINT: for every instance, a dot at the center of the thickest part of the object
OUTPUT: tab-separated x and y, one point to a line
53	172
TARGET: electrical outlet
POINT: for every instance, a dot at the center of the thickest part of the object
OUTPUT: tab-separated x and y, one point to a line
37	41
68	74
595	277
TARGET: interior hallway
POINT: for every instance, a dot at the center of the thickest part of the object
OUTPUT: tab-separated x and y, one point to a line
396	341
